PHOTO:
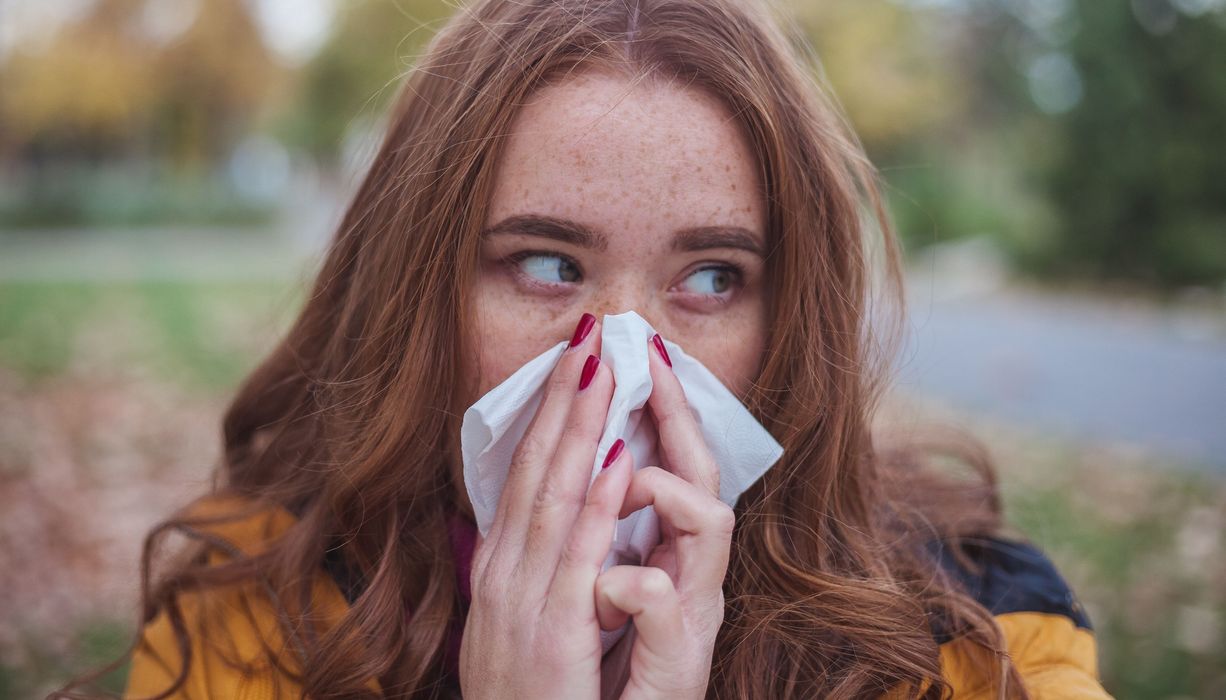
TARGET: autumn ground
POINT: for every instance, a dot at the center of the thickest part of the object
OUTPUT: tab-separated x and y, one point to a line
110	397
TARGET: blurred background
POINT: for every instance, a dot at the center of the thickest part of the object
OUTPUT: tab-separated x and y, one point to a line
170	170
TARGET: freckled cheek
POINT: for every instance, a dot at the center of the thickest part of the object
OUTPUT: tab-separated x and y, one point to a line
732	350
748	362
736	368
495	369
506	336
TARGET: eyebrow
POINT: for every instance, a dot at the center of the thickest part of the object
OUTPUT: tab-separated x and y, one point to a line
689	239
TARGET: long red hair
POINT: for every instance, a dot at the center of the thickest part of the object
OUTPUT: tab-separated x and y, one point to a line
352	421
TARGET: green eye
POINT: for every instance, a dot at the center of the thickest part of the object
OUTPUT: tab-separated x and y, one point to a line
712	280
549	268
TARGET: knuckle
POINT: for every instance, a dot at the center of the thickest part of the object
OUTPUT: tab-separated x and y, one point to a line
572	556
578	426
651	474
601	499
596	498
488	593
531	448
583	424
723	518
564	376
550	498
671	412
710	481
655	584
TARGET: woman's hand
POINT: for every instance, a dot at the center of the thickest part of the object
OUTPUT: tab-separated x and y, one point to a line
677	598
532	630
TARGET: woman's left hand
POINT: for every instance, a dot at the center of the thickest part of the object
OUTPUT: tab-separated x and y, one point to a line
677	597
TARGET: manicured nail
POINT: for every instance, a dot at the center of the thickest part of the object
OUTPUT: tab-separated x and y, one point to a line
589	371
657	341
614	451
586	321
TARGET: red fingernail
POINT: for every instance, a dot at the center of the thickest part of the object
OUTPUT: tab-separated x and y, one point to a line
657	341
589	371
586	321
614	451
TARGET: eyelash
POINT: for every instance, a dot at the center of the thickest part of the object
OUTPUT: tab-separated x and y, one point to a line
516	258
737	274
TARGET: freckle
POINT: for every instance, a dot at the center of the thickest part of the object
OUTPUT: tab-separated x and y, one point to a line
734	188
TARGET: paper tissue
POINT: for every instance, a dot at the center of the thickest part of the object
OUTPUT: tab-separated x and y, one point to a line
494	425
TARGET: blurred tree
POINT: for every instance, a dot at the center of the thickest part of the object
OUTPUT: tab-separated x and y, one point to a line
972	174
881	58
215	81
898	69
123	80
1139	175
356	72
888	64
88	90
1113	113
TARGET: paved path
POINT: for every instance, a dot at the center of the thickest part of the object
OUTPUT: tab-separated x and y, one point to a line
1083	368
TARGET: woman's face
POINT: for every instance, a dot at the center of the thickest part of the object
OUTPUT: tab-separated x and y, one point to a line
610	198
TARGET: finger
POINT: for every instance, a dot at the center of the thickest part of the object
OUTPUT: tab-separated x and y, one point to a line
564	486
684	450
703	525
646	594
536	448
591	538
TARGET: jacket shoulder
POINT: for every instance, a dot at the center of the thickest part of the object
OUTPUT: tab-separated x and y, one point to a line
233	633
1008	576
1047	632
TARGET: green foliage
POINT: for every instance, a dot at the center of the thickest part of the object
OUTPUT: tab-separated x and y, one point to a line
95	644
890	72
1130	173
357	72
37	324
1140	181
198	336
937	194
1124	561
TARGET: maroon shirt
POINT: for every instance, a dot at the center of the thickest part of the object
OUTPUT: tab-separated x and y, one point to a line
463	535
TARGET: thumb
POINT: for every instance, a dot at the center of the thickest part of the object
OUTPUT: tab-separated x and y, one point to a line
647	594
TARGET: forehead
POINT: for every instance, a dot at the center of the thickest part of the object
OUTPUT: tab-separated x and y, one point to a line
613	154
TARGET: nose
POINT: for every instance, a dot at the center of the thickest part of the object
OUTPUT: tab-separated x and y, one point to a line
620	296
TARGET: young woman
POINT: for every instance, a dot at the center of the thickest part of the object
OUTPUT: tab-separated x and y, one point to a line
548	162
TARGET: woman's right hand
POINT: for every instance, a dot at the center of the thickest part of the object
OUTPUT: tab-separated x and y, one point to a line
532	629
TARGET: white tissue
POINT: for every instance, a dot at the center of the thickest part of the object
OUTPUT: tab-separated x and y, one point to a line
493	427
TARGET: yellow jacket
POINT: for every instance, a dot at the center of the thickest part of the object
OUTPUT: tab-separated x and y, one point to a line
1047	633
